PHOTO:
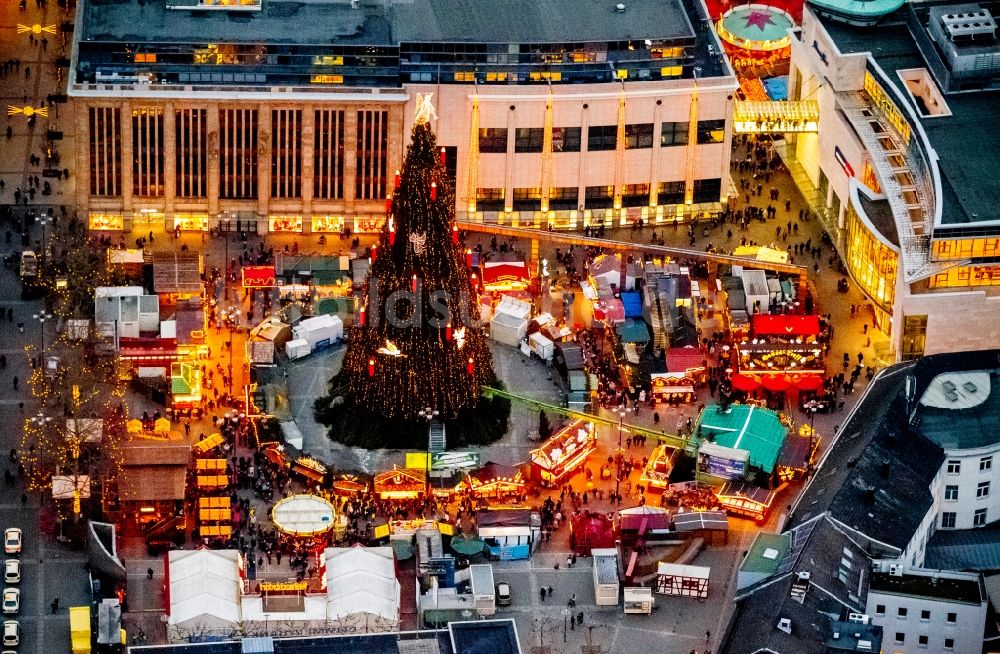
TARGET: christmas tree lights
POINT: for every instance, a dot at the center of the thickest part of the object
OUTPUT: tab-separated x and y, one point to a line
417	342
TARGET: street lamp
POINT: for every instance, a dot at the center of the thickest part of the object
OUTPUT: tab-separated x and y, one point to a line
812	406
41	317
565	614
44	220
621	411
428	414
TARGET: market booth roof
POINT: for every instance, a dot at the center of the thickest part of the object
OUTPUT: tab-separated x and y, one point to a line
744	383
750	428
361	580
787	325
203	584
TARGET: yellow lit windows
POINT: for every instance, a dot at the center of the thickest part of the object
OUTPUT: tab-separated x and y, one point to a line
498	77
671	71
582	57
870	180
328	60
966	248
465	76
621	73
667	53
545	75
145	57
872	263
966	276
326	79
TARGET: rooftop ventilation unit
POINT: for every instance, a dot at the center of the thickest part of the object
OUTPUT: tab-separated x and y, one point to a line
785	624
970	24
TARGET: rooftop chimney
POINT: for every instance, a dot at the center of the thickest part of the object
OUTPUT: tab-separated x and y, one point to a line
884	471
870	495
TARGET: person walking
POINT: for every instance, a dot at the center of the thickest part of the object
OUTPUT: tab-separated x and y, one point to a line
541	593
55	605
149	573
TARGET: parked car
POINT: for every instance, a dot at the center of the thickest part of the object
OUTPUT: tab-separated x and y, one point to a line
11	571
11	633
12	541
11	600
503	594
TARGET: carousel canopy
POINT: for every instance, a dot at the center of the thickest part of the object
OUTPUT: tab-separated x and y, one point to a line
750	428
744	383
493	471
303	515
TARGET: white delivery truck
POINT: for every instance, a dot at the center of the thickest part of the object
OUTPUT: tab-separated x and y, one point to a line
320	331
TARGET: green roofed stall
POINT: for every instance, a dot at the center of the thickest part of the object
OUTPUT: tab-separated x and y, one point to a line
742	427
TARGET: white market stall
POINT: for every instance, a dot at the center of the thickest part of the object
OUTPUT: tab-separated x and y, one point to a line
682	580
483	591
510	321
362	590
319	331
638	600
203	594
541	347
606	584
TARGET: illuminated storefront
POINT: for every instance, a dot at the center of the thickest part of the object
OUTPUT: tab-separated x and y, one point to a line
781	343
873	264
191	222
285	224
328	224
102	221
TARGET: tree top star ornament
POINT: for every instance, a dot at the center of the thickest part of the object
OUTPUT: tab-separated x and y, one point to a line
425	109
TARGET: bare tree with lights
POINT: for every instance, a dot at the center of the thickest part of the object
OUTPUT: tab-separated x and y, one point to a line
75	439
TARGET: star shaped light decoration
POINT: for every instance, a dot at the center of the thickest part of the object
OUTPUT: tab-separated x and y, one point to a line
759	18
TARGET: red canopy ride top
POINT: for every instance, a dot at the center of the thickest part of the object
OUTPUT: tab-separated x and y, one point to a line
787	325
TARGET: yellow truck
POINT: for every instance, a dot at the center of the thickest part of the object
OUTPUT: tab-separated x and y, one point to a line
79	629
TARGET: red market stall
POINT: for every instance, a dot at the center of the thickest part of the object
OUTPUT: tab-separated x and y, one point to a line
743	383
507	273
258	276
350	486
563	453
782	343
589	531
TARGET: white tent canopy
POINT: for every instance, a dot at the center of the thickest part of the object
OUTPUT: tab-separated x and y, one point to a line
361	580
204	586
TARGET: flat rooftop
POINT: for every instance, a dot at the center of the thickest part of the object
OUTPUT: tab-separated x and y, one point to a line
964	140
955	417
943	586
418	21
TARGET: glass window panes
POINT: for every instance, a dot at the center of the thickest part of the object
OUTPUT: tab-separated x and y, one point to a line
493	139
948	520
979	518
565	139
985	463
639	136
951	493
711	131
674	133
602	137
528	139
954	467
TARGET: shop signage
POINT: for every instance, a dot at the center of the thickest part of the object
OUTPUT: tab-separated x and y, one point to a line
283	587
443	460
258	276
842	160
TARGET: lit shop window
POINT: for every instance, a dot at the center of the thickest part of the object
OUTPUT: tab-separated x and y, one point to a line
671	71
465	76
328	60
145	57
545	76
326	79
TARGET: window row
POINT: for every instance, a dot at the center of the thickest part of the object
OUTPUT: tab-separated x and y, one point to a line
954	466
237	146
597	197
949	518
600	138
903	612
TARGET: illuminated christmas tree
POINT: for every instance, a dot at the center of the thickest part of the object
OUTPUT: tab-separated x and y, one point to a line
417	342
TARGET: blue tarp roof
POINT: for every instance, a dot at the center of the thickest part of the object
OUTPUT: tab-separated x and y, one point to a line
632	301
633	331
